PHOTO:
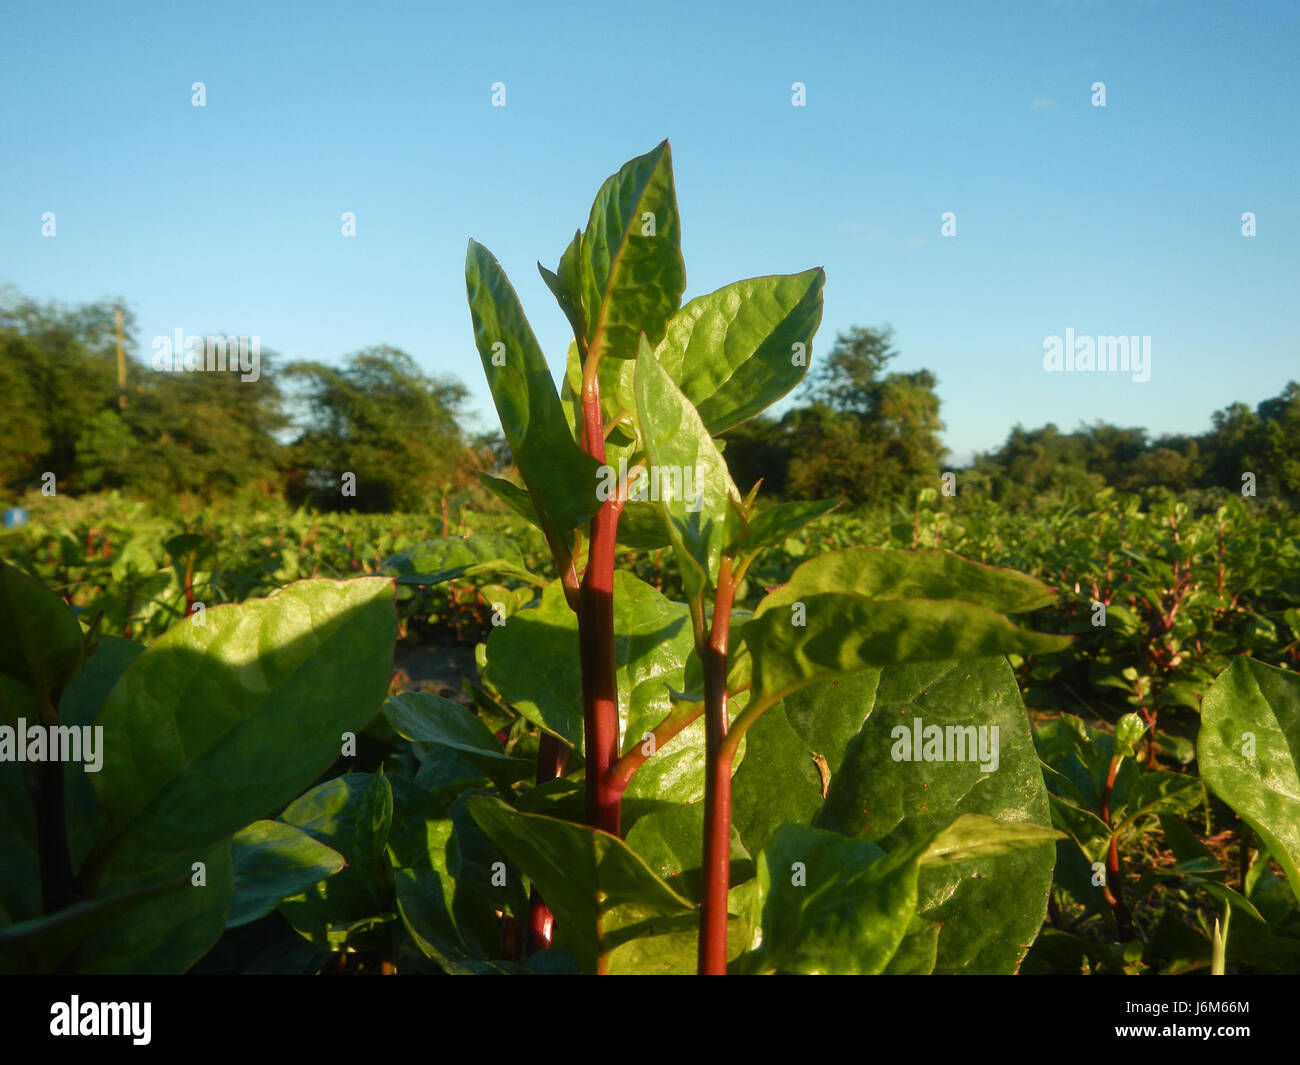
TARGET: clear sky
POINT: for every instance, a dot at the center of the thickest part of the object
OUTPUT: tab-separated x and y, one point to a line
1123	219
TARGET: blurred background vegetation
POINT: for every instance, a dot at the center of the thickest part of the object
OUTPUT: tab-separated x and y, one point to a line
856	431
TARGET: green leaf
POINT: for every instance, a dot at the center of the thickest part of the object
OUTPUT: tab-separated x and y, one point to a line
429	718
82	701
444	559
176	929
736	351
632	280
834	634
516	498
560	477
271	862
20	870
1128	734
680	450
370	831
41	645
1154	793
533	661
772	525
566	286
39	945
879	573
774	751
991	908
1248	750
338	815
574	866
671	843
973	837
219	723
832	905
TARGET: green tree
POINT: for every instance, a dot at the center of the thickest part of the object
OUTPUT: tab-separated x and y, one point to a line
867	435
381	420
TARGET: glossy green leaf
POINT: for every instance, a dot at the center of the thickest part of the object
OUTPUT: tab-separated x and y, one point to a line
272	861
574	866
672	844
894	794
219	723
687	475
338	814
430	718
1249	753
631	266
832	905
974	837
886	574
556	472
843	633
533	661
774	752
449	557
736	351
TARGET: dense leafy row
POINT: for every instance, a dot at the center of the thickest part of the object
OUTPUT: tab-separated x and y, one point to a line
835	776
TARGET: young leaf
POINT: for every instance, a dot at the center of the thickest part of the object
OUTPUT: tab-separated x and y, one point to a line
560	477
566	286
686	472
632	271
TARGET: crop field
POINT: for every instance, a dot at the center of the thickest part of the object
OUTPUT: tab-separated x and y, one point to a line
448	528
1159	602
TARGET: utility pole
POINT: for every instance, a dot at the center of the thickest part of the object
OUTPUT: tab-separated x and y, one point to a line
121	360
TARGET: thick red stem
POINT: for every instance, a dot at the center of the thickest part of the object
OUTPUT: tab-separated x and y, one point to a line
717	786
596	633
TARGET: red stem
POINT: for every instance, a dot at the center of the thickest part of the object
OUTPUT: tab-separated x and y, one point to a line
551	759
1113	890
717	785
596	632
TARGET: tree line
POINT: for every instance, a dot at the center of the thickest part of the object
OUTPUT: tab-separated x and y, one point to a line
857	430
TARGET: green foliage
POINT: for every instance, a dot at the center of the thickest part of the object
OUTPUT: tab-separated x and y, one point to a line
851	682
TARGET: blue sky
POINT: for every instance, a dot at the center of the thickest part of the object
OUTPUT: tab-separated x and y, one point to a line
1117	220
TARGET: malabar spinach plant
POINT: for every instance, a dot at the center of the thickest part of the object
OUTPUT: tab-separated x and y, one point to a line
628	455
